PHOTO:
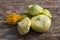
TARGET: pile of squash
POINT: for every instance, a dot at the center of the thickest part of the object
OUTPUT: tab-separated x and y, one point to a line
37	18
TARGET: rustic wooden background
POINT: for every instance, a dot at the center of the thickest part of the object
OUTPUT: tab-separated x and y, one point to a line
8	32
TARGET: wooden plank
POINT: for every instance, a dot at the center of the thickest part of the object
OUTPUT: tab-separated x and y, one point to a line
9	32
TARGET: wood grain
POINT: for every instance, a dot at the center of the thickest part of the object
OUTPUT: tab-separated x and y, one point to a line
9	32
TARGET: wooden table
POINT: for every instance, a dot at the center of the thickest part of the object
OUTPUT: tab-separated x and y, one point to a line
9	32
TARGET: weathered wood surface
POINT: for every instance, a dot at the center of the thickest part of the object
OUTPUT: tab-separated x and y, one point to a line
8	32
